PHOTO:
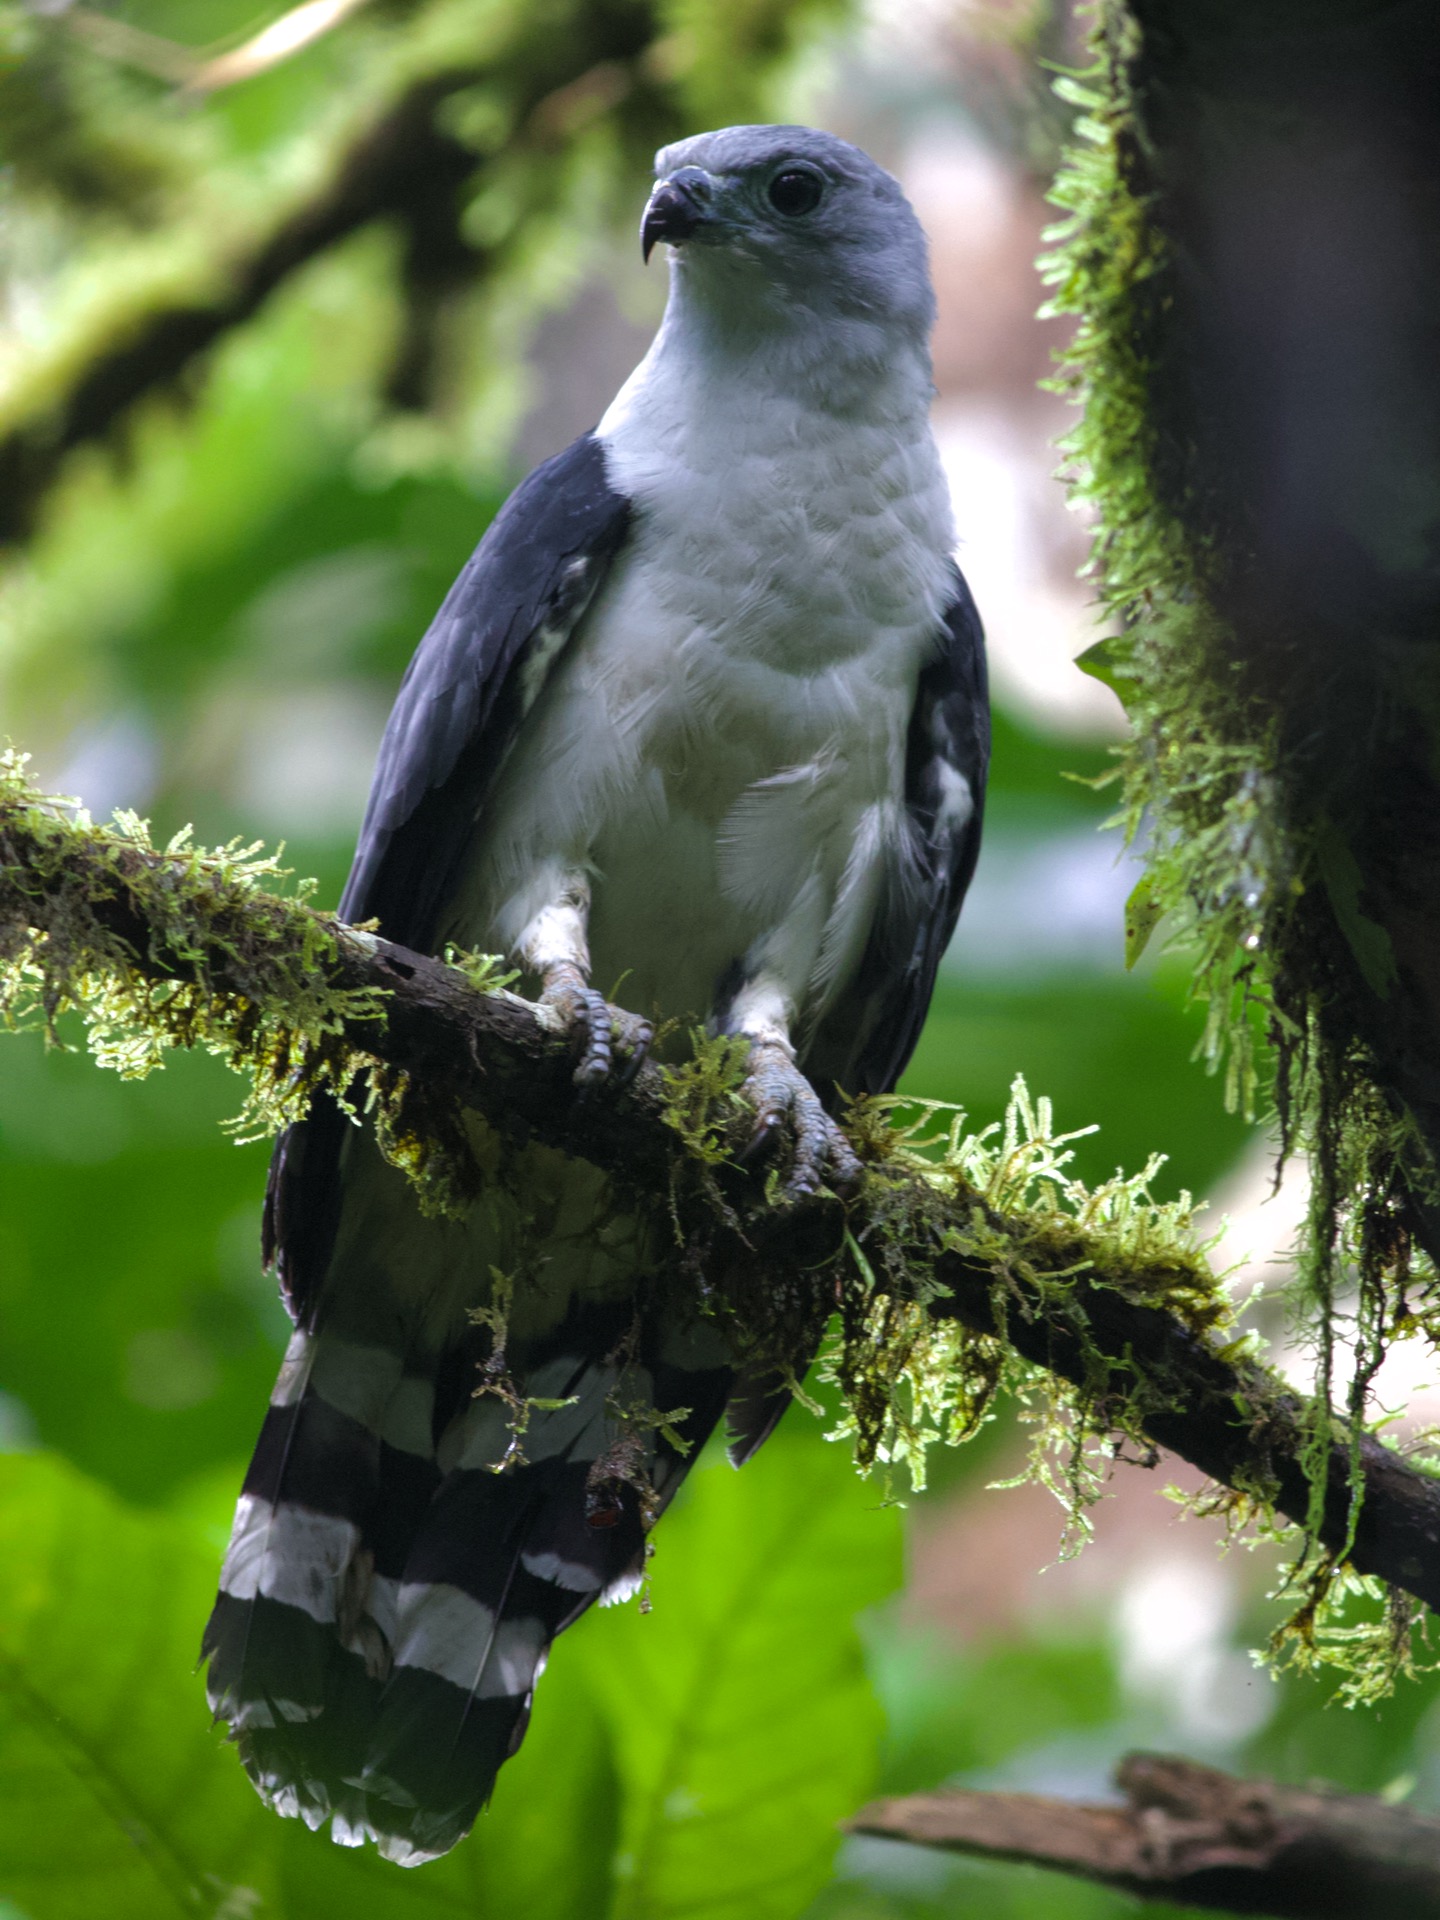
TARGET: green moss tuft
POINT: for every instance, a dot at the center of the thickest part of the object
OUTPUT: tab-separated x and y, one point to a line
244	974
911	1380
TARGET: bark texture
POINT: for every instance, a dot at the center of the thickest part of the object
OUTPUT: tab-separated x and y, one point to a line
1199	1837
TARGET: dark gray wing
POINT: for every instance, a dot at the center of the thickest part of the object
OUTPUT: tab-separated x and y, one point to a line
474	676
867	1037
476	673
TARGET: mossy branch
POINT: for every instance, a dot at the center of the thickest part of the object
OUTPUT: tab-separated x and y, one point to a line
958	1254
174	947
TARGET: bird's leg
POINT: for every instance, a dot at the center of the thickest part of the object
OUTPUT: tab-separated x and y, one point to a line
783	1098
555	945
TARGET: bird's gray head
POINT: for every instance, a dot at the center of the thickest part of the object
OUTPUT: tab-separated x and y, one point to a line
790	221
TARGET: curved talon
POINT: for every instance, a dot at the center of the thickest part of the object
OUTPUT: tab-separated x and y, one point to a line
780	1093
766	1132
606	1038
592	1021
636	1037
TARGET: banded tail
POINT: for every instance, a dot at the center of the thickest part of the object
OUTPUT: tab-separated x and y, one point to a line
391	1589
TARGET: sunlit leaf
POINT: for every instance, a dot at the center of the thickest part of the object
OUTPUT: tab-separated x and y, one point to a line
1143	914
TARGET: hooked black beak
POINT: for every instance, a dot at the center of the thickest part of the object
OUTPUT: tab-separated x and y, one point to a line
675	209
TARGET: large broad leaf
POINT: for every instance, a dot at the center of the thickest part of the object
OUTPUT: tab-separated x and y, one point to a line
117	1797
694	1760
120	1799
135	1323
746	1726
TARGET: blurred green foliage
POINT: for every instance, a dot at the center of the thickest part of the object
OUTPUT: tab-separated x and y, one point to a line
642	1789
208	622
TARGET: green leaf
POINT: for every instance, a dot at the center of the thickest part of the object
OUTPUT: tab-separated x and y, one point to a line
1108	661
138	1330
736	1719
1143	913
1345	883
118	1797
121	1799
746	1725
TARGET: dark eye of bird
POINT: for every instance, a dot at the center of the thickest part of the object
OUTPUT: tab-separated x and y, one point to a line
795	191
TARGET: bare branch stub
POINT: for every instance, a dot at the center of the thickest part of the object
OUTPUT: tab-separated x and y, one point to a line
1200	1837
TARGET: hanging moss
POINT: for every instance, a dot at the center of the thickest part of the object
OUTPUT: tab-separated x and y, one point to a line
912	1380
1250	855
937	1197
